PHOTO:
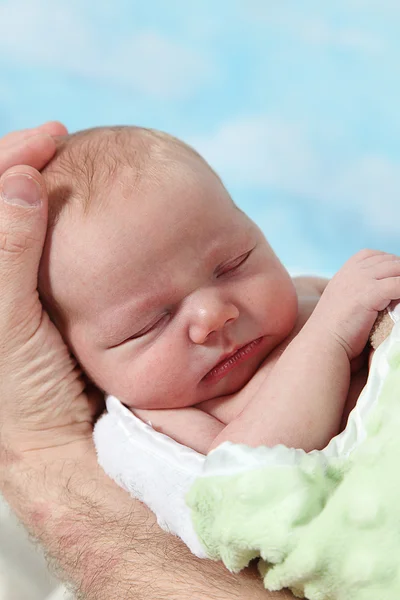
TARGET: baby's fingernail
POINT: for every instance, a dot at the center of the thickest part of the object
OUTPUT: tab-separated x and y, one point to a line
21	189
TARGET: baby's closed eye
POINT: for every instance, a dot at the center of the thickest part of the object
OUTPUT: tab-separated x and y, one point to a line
233	264
152	326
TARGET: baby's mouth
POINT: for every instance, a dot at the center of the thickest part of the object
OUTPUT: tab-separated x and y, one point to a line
224	366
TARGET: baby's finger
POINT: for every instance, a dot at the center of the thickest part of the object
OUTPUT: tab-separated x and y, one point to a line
389	289
23	220
34	151
387	268
52	128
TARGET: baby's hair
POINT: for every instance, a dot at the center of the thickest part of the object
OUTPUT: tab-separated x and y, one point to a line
88	161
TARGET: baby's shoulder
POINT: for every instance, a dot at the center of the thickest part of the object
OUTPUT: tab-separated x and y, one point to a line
309	285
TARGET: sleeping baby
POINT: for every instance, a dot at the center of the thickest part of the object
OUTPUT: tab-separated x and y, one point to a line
172	300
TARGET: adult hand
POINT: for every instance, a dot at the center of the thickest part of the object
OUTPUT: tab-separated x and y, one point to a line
32	349
101	540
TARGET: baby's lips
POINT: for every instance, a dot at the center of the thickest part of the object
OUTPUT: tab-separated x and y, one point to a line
394	310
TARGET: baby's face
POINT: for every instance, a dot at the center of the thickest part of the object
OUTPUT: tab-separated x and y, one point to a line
159	284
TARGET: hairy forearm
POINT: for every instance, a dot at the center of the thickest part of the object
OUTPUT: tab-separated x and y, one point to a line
301	403
107	545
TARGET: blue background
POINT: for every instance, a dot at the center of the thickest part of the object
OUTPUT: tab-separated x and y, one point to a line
295	104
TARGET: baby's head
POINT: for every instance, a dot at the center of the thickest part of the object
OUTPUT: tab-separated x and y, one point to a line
153	275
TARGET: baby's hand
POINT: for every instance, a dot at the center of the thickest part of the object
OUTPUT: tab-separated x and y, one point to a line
365	285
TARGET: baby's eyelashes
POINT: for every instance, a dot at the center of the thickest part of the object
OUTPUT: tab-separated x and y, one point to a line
233	264
154	325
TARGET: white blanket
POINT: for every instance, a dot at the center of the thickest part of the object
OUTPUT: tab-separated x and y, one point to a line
151	466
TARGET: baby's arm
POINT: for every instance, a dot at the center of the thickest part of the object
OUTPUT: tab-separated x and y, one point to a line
310	382
189	426
302	401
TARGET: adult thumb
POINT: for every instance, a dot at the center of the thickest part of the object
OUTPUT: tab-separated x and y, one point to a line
23	222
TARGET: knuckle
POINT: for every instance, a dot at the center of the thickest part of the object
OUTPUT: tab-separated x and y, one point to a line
365	254
14	243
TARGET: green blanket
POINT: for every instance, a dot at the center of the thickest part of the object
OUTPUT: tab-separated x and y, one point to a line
325	524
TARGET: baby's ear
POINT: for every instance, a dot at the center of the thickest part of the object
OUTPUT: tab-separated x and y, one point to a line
381	329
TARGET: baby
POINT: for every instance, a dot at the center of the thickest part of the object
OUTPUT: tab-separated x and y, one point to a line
172	300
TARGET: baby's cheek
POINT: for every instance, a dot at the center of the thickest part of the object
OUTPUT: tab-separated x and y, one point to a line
280	309
156	379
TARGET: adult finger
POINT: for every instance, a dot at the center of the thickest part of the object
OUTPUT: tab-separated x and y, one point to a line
34	151
52	128
23	220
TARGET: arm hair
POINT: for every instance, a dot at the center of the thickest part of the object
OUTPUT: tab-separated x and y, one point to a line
105	545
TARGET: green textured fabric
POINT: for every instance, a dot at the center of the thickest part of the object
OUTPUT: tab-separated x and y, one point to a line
327	528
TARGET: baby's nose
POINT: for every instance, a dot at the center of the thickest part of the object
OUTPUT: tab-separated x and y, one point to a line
210	314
